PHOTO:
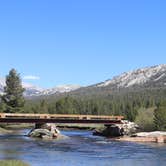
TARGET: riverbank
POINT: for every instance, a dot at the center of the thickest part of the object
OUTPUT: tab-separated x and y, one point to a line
10	128
17	126
154	137
4	131
12	163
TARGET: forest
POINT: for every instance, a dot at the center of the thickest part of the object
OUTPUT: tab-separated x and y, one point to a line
146	106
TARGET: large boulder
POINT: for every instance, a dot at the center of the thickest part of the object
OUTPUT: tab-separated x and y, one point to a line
128	127
116	130
45	131
109	131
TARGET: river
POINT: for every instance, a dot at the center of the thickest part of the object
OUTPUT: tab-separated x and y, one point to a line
81	148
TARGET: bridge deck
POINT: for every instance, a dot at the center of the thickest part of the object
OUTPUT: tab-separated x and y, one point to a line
58	118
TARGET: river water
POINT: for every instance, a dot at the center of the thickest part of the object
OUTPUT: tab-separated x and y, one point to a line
79	149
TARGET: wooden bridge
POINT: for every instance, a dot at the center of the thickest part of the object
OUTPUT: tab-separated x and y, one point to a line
58	118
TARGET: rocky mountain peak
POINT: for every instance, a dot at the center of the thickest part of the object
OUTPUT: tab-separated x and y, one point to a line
155	75
137	77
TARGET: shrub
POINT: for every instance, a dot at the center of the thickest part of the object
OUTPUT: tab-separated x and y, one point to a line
160	118
145	119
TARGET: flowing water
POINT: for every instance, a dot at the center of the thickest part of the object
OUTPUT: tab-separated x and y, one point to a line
80	148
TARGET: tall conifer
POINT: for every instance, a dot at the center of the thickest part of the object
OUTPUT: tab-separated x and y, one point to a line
13	93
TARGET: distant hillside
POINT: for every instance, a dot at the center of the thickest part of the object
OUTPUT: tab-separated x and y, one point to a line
34	91
145	83
137	80
30	90
129	94
155	75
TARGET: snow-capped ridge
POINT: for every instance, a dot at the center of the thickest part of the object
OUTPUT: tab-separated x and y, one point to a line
60	89
31	90
151	75
136	77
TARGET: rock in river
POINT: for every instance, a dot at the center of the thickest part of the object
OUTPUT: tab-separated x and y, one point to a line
116	130
45	131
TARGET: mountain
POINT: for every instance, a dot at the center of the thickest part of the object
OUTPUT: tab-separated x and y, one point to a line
149	76
36	91
60	89
31	90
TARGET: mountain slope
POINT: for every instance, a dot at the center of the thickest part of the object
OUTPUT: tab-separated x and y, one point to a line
148	78
150	75
60	89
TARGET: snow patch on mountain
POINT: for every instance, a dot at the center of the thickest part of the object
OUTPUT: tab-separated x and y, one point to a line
31	90
161	76
136	77
60	89
154	74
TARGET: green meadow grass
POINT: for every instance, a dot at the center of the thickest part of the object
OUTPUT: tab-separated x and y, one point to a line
12	163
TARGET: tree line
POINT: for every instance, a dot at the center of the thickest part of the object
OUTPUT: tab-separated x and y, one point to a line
129	104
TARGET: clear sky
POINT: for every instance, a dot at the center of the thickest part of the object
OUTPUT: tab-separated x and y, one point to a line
54	42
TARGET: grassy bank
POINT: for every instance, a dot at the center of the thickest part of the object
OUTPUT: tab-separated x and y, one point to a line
3	130
9	128
12	163
17	126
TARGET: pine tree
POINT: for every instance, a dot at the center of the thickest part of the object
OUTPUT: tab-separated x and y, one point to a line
13	93
2	105
43	107
160	118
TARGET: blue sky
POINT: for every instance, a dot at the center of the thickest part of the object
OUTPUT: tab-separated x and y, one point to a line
80	42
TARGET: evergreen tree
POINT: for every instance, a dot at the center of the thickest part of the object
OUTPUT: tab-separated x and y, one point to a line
13	93
2	105
43	107
160	118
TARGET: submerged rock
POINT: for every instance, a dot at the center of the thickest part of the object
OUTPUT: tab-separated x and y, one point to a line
45	131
